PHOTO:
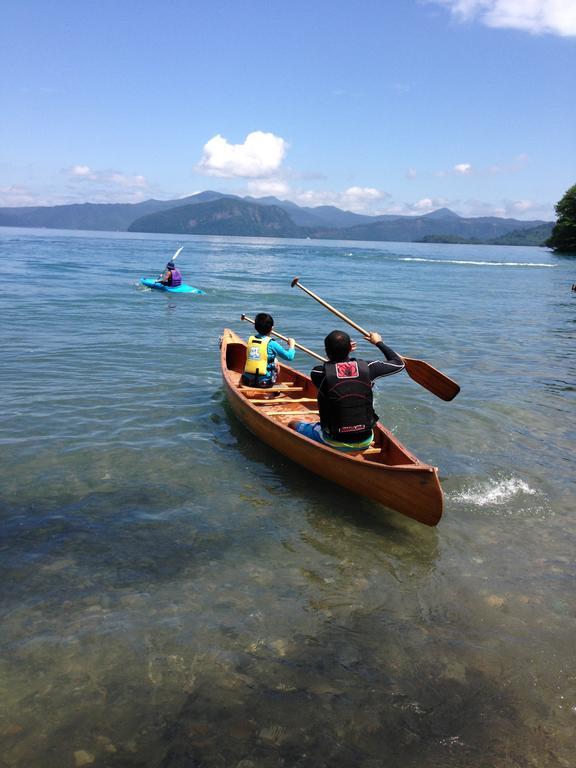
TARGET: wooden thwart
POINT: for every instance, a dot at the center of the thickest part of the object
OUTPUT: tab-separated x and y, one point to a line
244	388
284	401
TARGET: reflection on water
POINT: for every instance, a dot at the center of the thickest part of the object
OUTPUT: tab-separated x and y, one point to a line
174	594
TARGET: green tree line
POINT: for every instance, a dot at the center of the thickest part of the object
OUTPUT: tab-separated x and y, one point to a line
563	237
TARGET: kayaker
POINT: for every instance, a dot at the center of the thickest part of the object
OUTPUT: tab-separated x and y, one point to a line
171	276
261	369
345	398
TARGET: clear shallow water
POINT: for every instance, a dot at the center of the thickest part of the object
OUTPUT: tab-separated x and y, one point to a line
176	594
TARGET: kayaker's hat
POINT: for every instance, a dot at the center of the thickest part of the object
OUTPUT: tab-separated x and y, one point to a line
170	265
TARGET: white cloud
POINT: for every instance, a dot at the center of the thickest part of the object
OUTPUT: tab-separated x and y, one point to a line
523	206
420	207
557	17
358	199
514	209
411	173
260	156
129	182
104	185
16	195
426	204
81	170
467	169
264	187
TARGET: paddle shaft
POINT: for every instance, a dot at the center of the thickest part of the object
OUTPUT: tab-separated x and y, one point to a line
419	370
285	338
332	309
178	252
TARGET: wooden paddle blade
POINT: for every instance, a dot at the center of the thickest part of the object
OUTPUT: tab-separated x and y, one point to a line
431	379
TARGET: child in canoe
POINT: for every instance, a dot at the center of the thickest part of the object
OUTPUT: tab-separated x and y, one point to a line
261	369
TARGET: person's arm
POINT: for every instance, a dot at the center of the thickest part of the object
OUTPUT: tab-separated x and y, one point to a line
392	364
317	375
285	354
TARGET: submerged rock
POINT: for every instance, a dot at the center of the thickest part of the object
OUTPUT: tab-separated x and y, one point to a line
82	757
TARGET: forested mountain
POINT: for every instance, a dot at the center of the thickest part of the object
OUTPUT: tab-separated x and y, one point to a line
531	236
417	228
213	213
231	216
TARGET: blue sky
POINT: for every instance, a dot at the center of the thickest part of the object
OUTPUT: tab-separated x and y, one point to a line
376	106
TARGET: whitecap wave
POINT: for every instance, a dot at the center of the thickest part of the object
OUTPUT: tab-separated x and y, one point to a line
477	263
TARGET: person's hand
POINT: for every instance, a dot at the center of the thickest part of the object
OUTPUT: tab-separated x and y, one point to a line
291	343
353	346
374	338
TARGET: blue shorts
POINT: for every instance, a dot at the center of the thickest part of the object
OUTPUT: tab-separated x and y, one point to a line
314	432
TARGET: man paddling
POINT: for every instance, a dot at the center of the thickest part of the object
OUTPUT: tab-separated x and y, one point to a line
345	400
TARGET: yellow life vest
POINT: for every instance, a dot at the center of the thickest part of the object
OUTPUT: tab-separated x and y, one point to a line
257	356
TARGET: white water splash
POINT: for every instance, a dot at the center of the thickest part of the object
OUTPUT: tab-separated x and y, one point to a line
477	263
494	492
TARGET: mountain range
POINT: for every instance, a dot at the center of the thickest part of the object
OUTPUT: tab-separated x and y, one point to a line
213	213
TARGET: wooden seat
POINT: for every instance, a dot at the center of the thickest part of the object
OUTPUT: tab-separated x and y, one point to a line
284	401
244	388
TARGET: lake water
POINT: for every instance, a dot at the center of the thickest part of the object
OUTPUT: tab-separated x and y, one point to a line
175	594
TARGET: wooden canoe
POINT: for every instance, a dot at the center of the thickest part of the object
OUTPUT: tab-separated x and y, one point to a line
386	472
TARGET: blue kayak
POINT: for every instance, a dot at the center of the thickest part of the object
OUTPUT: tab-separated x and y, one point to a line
149	282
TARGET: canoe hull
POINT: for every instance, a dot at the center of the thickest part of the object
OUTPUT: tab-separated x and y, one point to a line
405	485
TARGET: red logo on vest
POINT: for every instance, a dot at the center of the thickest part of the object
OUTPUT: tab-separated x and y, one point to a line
347	370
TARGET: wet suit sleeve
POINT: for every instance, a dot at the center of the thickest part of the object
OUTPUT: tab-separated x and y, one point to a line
278	349
392	364
317	375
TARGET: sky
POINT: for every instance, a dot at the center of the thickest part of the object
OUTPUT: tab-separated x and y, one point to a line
375	106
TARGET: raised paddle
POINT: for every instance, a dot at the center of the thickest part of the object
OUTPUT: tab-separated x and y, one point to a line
178	252
284	338
425	374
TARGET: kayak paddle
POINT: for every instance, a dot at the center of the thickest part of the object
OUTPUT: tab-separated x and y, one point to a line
178	252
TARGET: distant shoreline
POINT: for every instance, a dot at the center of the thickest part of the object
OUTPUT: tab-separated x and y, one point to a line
215	214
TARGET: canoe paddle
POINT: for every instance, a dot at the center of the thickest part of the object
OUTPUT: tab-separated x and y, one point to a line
285	338
422	372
